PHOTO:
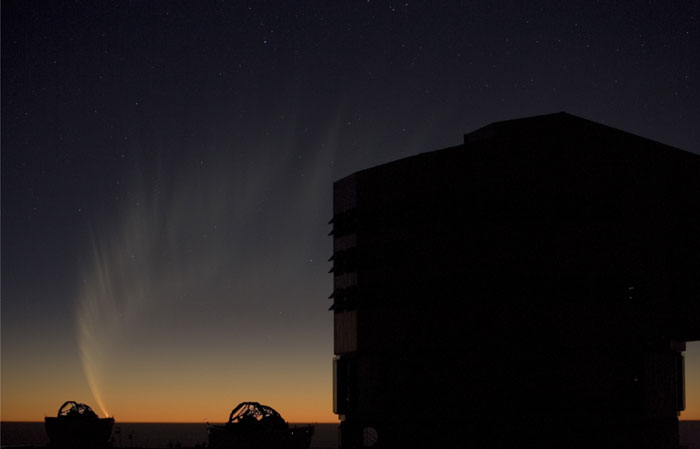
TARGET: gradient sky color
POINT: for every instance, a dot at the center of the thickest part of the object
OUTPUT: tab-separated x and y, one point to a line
167	171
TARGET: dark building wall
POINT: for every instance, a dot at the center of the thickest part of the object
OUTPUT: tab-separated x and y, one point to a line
540	275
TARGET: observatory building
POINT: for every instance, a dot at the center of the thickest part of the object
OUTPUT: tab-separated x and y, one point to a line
533	287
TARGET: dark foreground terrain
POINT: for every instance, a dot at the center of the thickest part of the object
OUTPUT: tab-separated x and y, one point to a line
146	435
31	435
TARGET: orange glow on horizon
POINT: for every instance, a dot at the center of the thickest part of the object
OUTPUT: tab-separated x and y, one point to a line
186	414
305	401
301	391
692	382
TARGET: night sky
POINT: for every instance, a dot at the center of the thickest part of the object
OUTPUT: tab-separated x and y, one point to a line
167	172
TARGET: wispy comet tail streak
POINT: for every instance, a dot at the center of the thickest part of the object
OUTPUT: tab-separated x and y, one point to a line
148	262
112	294
196	247
97	317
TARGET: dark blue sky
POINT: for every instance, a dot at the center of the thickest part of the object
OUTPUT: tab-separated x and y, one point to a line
167	166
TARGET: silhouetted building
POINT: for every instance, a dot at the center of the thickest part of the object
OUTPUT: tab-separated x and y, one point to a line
531	288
